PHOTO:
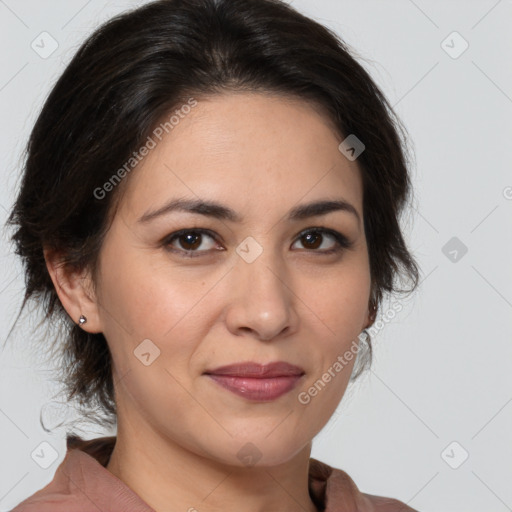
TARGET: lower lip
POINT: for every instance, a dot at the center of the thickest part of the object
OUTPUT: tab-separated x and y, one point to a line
257	389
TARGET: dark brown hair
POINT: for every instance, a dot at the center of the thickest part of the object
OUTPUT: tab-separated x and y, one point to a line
131	73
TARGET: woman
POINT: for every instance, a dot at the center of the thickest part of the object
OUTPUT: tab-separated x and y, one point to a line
211	203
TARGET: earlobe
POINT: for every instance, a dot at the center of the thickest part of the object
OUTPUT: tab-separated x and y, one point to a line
73	289
372	314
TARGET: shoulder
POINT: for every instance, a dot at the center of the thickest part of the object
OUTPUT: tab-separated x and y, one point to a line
58	495
335	490
82	483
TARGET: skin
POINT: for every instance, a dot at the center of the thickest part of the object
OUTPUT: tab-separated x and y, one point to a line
178	431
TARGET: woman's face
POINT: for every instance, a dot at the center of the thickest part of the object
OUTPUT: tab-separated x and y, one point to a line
251	288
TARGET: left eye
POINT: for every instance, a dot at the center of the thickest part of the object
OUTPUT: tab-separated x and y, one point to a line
314	239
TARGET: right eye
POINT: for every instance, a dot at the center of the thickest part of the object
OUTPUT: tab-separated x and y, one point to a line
189	240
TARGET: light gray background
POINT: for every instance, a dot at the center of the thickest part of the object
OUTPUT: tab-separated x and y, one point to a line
442	367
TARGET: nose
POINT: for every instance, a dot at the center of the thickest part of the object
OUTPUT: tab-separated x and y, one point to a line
262	302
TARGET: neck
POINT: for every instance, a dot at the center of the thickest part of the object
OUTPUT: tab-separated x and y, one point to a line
163	473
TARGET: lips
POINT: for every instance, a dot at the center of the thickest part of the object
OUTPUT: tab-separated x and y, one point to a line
257	382
256	370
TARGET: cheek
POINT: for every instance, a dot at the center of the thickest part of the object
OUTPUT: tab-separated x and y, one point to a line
341	304
148	300
148	303
157	302
341	299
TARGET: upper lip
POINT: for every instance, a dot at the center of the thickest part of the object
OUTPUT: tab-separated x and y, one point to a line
257	370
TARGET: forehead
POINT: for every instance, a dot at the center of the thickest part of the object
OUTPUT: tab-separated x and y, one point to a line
250	150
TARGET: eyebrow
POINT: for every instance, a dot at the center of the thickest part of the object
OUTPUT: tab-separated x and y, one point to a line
222	212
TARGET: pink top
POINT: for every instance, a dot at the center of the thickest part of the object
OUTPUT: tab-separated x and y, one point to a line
83	484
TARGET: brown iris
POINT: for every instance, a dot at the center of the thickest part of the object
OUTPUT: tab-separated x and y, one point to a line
313	240
193	240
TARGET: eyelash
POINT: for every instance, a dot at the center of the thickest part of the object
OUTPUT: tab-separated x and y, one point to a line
342	241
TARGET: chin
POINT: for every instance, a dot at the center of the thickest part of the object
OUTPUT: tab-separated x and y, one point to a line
258	451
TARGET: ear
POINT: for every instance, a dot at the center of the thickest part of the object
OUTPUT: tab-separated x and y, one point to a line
75	291
372	314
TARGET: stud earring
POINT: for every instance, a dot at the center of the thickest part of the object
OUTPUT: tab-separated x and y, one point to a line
82	320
